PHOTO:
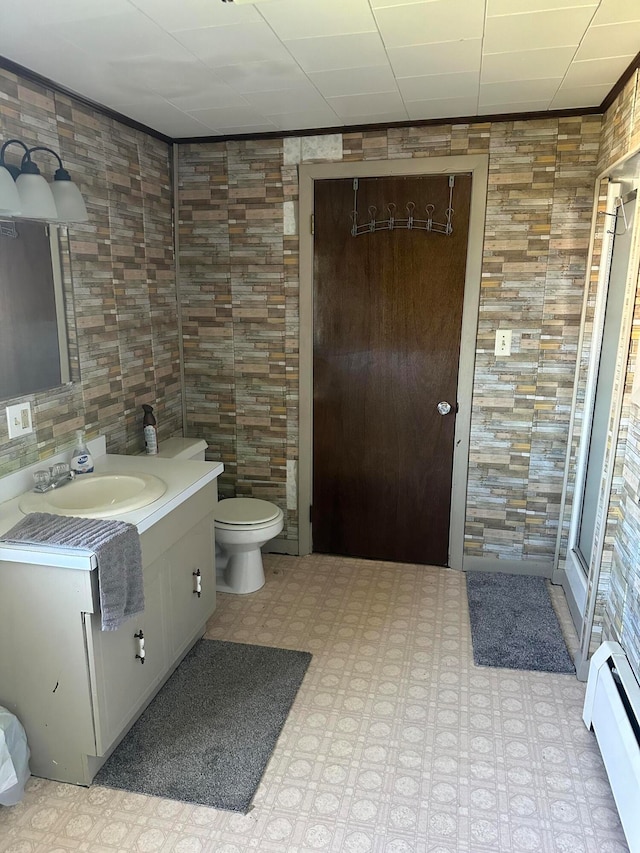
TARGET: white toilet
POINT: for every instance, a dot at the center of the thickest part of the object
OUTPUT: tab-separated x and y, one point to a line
242	526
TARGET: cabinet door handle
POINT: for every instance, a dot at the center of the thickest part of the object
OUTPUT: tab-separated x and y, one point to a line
197	583
141	652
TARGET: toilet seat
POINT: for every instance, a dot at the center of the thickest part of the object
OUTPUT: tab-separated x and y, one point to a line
245	512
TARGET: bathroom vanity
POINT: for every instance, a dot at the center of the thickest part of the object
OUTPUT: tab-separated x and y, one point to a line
75	688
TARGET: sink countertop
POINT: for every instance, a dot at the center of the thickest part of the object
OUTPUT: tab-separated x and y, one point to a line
183	478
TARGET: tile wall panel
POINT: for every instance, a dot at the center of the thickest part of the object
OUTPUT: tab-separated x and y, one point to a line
537	234
121	263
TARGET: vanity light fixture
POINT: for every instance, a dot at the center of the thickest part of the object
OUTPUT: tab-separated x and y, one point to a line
59	201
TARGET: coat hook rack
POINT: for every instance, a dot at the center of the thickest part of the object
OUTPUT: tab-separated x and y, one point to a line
410	222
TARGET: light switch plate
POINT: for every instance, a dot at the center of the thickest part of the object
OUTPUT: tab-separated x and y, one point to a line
503	342
19	420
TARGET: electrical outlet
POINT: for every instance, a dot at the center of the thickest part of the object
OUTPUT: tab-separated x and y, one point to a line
19	420
503	342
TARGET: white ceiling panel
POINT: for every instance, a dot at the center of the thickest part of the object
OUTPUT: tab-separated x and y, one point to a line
616	11
610	40
569	97
194	14
352	106
266	76
219	46
437	21
359	81
441	58
307	119
514	7
518	90
332	52
442	86
526	64
442	108
557	28
295	19
205	67
595	72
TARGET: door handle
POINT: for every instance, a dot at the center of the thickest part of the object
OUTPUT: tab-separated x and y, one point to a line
443	407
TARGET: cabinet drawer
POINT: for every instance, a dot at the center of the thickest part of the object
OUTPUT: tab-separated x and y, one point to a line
121	684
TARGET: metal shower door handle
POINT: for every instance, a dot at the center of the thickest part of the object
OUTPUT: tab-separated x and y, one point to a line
443	407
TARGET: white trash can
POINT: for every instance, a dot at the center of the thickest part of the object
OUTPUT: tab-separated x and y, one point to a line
14	759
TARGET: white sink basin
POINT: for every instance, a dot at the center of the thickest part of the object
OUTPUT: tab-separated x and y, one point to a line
97	495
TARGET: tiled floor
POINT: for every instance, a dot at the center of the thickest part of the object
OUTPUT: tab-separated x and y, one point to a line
396	741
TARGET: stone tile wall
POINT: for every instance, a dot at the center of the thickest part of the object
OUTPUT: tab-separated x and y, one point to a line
123	274
239	288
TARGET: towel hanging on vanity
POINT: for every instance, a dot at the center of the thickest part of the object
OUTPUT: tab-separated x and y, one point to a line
116	545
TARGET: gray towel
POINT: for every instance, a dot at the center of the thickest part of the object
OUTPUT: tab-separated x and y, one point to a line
116	545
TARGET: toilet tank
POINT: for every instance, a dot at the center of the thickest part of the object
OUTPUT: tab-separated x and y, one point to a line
183	448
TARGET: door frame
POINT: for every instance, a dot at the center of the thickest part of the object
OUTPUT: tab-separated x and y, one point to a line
478	166
574	578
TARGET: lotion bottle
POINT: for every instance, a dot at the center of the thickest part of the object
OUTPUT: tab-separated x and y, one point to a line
150	431
81	460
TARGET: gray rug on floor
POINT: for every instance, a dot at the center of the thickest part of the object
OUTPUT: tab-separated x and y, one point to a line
207	736
513	623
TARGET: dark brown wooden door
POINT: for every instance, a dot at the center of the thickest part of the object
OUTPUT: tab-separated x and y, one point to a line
387	322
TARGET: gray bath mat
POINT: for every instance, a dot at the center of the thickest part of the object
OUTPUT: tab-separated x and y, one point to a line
207	736
513	623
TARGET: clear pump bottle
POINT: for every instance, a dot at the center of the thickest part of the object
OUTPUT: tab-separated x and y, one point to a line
81	459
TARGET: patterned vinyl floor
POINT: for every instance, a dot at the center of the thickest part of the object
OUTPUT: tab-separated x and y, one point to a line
397	742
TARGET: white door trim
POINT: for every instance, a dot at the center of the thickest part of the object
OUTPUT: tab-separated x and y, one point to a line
478	166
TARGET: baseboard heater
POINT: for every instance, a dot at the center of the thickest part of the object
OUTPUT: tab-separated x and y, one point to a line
612	710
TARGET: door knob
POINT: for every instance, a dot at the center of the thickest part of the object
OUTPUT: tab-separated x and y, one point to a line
444	408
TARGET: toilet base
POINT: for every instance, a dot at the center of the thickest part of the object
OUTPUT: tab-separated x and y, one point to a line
242	574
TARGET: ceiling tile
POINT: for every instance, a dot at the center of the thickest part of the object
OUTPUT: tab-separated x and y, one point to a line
569	97
557	28
440	86
74	10
380	4
437	21
224	118
332	52
514	7
506	107
596	72
307	119
518	90
268	76
358	81
397	115
526	64
219	46
212	96
442	108
616	11
350	106
438	58
610	40
165	118
192	14
293	19
117	36
286	101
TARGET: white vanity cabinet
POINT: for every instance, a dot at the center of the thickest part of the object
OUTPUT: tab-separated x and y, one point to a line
77	689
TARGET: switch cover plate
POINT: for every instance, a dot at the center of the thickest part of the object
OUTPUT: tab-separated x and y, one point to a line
19	420
503	342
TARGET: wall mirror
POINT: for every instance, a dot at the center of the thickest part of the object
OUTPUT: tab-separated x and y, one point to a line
38	341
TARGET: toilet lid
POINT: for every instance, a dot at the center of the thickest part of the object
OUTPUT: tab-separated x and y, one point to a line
245	511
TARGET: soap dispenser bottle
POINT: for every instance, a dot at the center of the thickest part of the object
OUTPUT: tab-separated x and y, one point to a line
150	431
81	460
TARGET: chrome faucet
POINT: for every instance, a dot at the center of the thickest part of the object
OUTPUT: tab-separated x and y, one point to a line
56	476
